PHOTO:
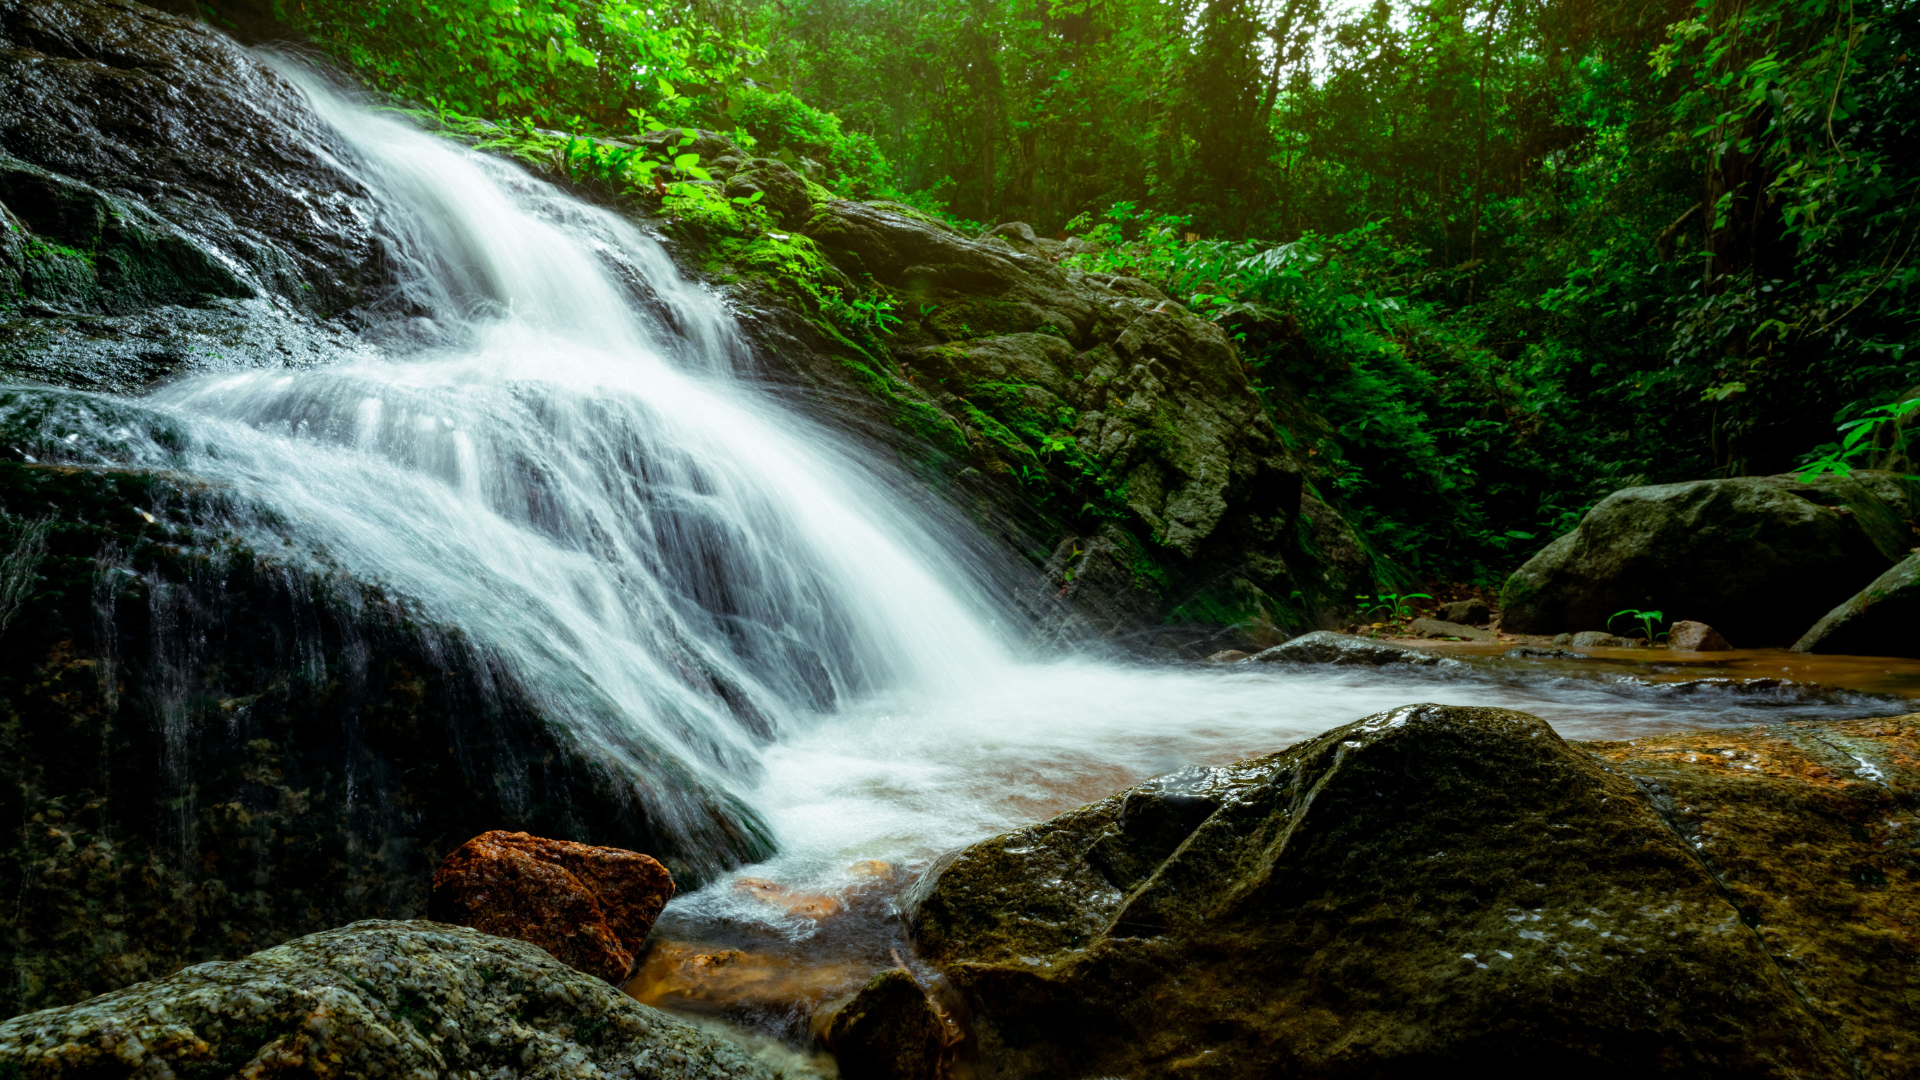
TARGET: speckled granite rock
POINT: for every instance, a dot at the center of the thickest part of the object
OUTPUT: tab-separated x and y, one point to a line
1430	891
370	1000
1327	647
591	907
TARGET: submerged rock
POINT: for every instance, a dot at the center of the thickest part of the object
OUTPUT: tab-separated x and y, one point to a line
1431	890
1882	619
590	907
1763	557
1327	647
375	999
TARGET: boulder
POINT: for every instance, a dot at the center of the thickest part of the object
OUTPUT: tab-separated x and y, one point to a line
1327	647
1437	628
1763	557
1810	829
782	190
374	999
1227	656
1429	891
1882	619
1470	612
1689	636
1600	639
590	907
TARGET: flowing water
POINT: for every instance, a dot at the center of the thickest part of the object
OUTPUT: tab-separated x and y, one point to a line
567	457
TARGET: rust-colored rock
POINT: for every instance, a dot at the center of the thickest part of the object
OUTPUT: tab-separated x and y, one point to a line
591	907
1696	637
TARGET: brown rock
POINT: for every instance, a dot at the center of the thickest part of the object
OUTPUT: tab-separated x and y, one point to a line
591	907
1810	827
1471	612
1687	636
1227	656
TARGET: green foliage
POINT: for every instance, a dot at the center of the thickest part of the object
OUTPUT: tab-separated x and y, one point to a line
1647	620
1392	603
1857	439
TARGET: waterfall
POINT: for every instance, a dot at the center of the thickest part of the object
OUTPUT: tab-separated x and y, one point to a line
558	455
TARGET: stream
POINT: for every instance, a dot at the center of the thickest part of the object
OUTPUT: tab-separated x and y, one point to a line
568	456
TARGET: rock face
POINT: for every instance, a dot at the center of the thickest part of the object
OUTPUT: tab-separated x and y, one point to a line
1882	619
375	999
1432	890
167	203
1689	636
1327	647
590	907
1759	557
204	752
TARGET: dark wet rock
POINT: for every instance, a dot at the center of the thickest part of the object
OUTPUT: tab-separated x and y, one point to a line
168	203
1809	830
1439	628
1563	639
1227	656
1470	612
1429	891
1327	647
890	1030
375	999
204	751
1763	556
1882	619
1534	652
589	907
1599	639
1689	636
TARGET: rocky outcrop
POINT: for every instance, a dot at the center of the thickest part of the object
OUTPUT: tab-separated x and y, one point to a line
204	752
375	999
1882	619
1440	628
1761	558
167	204
1441	889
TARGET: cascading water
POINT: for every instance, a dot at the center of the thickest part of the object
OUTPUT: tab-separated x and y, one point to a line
559	456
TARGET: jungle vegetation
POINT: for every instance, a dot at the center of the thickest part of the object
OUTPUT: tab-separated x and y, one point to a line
1518	253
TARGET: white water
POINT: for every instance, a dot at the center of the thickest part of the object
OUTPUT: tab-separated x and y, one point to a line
569	467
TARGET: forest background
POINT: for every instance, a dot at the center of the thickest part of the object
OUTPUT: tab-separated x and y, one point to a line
1518	254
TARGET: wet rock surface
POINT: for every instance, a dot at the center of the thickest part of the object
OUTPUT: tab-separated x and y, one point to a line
374	999
590	907
1760	558
1327	647
204	752
1812	830
1882	619
1440	628
167	203
1432	889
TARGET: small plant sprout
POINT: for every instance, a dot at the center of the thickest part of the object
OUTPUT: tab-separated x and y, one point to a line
1647	620
1394	604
